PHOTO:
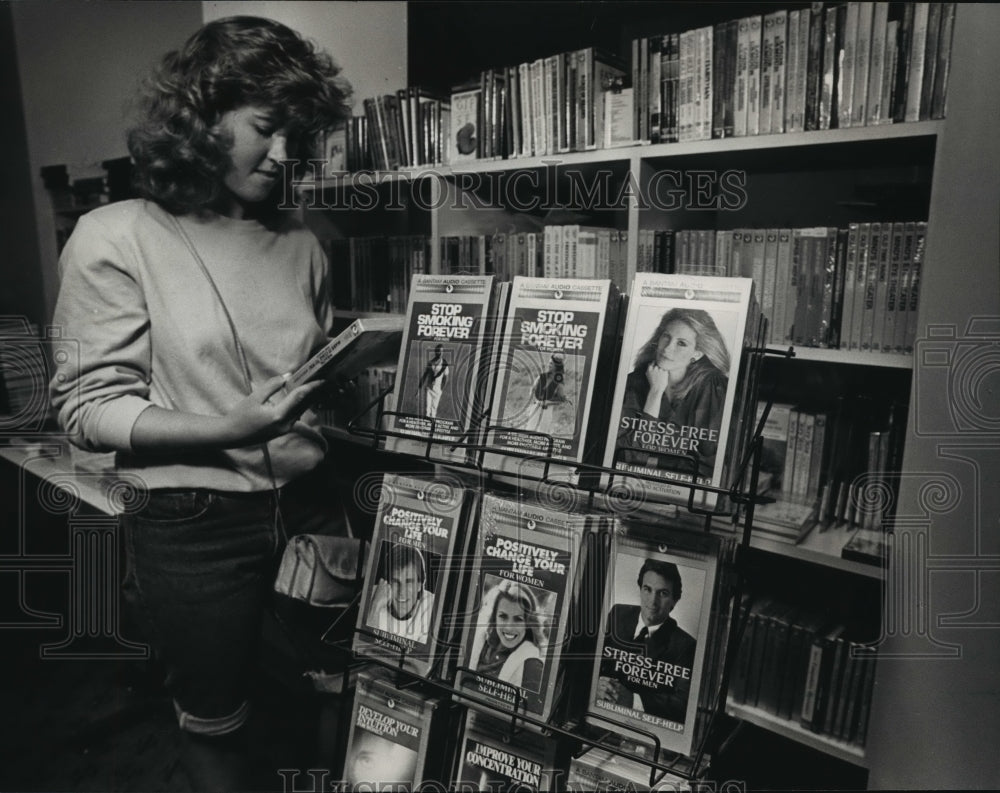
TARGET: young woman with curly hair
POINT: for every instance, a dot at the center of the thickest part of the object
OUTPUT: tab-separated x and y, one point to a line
189	305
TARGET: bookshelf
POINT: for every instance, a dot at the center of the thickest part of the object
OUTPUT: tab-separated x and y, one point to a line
644	151
839	749
800	180
817	547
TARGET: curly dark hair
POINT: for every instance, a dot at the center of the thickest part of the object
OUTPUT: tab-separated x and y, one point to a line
666	570
229	63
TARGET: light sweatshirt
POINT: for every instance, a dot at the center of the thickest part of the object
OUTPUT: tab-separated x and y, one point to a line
150	330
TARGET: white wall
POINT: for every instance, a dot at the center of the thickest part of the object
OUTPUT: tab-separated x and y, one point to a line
367	40
79	65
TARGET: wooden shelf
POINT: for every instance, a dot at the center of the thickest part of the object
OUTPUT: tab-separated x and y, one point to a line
817	547
788	140
841	750
341	313
888	360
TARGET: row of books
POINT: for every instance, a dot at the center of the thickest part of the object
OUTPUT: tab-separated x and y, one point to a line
395	735
832	65
521	605
854	288
817	461
406	129
829	66
557	251
799	665
373	273
547	106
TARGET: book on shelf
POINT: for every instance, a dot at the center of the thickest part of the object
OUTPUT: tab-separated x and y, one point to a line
775	441
596	71
410	577
866	545
553	352
425	116
740	661
939	91
724	45
797	663
372	273
333	151
821	54
673	405
742	70
824	655
658	602
358	151
754	74
775	658
804	627
792	113
464	140
934	16
768	87
491	759
878	61
361	344
449	320
862	63
390	733
617	125
915	242
826	287
787	516
917	60
515	624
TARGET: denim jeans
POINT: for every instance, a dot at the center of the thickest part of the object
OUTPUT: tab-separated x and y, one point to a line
201	566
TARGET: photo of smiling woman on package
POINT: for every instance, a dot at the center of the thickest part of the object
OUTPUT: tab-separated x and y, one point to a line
510	640
679	380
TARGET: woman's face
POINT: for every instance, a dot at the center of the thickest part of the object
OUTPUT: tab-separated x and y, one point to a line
258	147
675	350
510	623
374	759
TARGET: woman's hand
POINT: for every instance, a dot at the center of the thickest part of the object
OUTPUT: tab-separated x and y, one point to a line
659	379
659	382
267	412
